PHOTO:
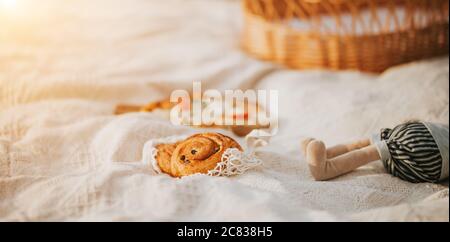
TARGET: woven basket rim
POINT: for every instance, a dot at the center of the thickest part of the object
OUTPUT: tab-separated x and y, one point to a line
293	31
371	47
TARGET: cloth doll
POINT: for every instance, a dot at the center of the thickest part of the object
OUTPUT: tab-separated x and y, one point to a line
414	151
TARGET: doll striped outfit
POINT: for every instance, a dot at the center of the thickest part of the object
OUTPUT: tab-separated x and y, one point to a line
415	151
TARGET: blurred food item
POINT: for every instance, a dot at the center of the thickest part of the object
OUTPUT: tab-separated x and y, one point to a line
127	108
164	105
239	122
199	153
150	107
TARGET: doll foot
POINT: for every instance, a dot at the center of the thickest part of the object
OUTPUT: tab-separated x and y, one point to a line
304	145
317	158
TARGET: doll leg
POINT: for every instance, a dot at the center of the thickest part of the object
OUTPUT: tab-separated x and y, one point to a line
338	149
304	144
345	148
323	168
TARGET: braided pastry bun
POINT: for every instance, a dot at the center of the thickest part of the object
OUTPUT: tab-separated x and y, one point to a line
199	153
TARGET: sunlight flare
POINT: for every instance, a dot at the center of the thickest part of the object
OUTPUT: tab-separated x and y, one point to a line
8	4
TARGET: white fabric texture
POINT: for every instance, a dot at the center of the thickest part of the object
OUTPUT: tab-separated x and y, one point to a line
65	157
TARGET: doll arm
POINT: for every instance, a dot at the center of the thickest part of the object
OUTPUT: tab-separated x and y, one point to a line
323	168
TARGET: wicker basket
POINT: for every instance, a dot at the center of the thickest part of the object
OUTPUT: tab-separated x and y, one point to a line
368	35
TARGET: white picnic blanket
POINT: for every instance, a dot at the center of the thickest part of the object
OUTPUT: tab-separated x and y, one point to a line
65	157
